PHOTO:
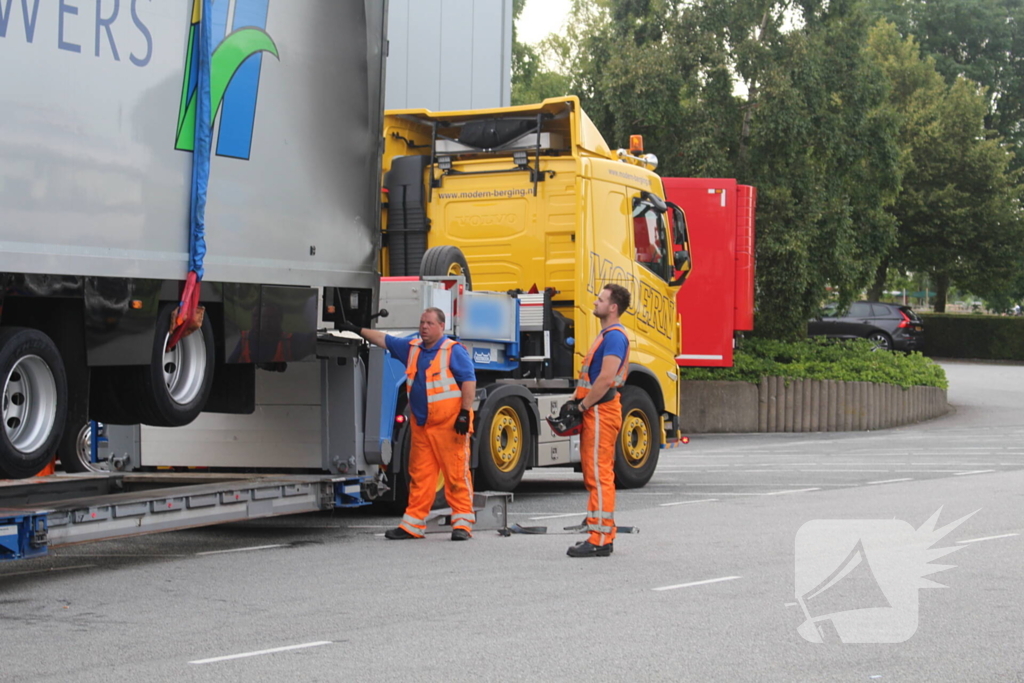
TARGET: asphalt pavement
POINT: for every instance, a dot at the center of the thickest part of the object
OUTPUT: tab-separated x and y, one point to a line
750	547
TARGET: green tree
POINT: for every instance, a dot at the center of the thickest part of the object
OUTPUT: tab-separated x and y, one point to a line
733	89
959	208
981	40
531	81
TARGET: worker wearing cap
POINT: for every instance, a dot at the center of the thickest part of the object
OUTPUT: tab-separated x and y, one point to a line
441	385
603	372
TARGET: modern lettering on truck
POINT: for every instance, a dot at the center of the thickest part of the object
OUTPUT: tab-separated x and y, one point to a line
63	22
235	74
486	194
652	309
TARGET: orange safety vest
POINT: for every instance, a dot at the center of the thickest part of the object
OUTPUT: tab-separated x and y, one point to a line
444	397
583	385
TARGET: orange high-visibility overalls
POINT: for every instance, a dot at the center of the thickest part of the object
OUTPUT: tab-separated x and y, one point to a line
437	446
601	425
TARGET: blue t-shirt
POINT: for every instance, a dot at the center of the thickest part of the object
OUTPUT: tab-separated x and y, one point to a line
615	344
459	363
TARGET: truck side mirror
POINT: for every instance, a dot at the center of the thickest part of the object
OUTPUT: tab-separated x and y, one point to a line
655	201
682	262
683	267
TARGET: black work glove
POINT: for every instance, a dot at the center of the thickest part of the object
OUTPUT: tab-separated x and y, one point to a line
346	326
462	423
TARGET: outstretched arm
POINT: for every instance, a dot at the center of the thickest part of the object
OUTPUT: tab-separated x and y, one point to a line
373	336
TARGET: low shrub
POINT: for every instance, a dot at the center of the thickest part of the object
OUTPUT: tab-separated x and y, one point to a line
985	337
856	360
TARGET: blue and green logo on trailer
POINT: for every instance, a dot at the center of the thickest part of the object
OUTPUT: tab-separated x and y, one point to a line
234	73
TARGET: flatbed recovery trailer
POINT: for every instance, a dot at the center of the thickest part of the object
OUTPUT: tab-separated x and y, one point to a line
41	513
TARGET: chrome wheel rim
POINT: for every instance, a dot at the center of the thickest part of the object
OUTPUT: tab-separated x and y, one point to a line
184	368
879	341
83	449
29	403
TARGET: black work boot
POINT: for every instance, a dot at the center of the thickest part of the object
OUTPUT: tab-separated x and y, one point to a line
398	534
588	549
461	535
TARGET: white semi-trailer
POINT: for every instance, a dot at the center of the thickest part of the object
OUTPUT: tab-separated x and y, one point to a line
101	193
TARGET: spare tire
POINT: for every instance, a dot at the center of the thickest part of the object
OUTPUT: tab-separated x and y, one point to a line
445	260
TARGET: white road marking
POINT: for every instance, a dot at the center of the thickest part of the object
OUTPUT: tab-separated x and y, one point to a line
962	464
768	484
938	471
843	470
687	502
779	493
261	652
630	492
54	569
696	583
987	538
571	514
891	481
241	550
963	474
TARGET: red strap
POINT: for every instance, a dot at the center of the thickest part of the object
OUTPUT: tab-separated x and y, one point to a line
186	310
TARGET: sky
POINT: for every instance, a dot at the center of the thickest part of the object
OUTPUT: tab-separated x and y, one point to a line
541	17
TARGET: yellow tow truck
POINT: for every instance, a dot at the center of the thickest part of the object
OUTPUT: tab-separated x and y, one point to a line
531	201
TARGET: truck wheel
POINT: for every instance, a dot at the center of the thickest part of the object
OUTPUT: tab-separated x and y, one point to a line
75	451
639	443
172	390
503	442
35	400
446	260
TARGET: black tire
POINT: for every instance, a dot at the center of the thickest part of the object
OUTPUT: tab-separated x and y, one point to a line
399	481
881	340
172	390
639	443
503	442
446	260
34	401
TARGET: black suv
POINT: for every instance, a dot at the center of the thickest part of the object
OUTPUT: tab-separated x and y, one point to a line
888	326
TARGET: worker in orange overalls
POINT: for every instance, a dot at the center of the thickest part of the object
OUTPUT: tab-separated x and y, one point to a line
441	385
597	397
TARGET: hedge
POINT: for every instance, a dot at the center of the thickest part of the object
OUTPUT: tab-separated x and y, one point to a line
856	360
973	336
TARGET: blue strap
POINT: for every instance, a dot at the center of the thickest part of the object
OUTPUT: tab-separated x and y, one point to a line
203	143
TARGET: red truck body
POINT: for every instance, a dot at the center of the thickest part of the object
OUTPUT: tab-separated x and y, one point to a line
718	298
